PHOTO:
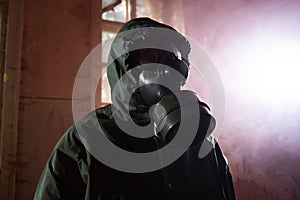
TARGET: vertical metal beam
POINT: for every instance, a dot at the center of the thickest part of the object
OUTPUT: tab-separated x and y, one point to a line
3	22
9	129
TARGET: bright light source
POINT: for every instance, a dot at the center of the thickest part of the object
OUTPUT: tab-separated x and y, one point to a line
269	70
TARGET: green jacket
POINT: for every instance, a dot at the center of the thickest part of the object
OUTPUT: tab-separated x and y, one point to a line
73	173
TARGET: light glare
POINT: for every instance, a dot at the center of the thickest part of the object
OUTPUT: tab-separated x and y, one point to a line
270	71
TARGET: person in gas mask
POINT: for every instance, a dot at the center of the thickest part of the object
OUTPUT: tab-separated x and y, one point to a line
146	71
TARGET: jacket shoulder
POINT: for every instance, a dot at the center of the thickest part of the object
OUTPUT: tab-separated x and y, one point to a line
70	143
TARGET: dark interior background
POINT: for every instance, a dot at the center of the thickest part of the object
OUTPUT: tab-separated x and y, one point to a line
254	45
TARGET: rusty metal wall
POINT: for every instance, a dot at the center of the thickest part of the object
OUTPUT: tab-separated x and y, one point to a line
57	36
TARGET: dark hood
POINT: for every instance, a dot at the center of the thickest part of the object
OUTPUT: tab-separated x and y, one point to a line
137	34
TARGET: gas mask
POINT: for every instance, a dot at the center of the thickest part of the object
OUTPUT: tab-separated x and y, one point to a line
168	68
156	65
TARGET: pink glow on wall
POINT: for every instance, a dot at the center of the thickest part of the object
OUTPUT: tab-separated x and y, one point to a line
256	48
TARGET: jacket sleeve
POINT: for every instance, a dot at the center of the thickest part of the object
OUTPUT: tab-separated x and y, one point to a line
61	178
226	178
